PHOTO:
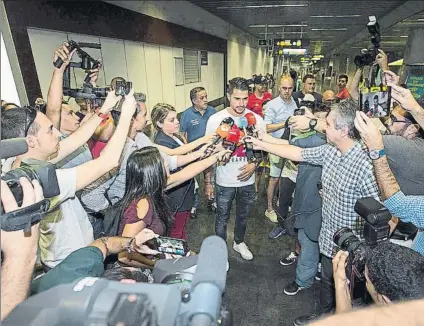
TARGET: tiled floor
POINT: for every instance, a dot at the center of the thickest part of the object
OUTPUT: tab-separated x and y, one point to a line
254	291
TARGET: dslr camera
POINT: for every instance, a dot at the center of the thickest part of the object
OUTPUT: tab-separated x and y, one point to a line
122	87
32	169
367	56
376	229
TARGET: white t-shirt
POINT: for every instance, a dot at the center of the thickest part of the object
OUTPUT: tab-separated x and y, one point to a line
66	227
226	175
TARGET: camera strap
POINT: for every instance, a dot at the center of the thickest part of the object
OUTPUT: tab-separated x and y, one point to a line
24	218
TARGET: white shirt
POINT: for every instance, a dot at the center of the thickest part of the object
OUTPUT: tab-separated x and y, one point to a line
226	175
66	227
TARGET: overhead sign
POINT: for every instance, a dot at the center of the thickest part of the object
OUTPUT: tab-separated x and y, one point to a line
289	51
264	42
291	43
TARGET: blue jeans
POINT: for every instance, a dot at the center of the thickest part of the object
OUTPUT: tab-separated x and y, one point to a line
224	199
307	263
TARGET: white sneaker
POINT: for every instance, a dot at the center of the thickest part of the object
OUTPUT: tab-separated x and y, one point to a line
243	250
272	216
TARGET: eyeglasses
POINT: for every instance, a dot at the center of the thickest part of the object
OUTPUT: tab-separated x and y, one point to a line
393	119
30	115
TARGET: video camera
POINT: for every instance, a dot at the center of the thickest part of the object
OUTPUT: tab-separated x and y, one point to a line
376	229
367	56
44	172
267	80
95	94
182	298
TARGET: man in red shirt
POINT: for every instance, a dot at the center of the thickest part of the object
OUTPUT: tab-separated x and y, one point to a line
259	95
343	93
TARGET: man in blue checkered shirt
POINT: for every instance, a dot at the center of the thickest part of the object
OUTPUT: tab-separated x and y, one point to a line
347	175
407	208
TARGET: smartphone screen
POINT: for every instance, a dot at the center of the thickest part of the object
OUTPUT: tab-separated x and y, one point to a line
375	101
171	246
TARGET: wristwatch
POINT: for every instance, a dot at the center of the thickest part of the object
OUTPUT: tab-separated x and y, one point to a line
312	124
375	154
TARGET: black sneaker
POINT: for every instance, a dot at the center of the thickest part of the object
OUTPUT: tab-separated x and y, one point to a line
305	320
293	288
289	260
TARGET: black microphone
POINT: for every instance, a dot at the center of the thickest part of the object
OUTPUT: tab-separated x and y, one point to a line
13	147
228	121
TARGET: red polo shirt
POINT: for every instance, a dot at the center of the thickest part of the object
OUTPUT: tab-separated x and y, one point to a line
255	104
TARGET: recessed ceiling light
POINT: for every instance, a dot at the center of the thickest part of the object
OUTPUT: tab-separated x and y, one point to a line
262	6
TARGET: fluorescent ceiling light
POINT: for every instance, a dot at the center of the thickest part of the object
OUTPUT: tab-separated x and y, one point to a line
279	33
404	36
337	16
262	6
273	26
393	36
328	29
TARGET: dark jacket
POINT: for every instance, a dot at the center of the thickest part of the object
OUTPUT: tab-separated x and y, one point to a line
307	202
180	198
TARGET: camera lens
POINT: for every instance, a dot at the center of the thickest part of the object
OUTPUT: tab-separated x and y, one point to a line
346	240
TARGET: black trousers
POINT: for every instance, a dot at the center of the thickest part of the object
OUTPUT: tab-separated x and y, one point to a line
287	188
327	294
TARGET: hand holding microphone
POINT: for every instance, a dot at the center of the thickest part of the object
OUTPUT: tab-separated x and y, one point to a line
221	133
231	141
243	124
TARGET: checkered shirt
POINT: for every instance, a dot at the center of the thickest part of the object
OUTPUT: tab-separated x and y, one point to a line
409	209
345	179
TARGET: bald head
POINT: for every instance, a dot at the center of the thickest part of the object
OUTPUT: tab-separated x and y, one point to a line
286	78
328	95
286	87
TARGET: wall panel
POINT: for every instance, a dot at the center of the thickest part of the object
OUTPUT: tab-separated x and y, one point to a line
114	61
136	67
153	74
167	69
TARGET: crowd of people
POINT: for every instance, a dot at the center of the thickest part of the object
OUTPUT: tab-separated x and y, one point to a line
120	188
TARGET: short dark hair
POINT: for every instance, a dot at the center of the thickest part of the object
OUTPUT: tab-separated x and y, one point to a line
396	271
120	273
239	83
19	122
306	77
344	76
194	92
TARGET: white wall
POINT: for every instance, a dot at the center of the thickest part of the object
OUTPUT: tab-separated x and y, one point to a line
244	61
9	92
150	67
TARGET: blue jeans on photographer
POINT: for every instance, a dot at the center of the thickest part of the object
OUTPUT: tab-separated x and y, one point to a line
224	199
307	263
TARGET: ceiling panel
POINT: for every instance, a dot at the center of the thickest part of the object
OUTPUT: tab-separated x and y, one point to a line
322	22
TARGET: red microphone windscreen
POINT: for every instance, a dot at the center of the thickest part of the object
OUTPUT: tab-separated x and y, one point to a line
234	136
251	119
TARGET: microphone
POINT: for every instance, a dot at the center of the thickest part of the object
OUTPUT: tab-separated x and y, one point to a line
243	124
221	133
251	121
13	147
228	121
231	141
208	281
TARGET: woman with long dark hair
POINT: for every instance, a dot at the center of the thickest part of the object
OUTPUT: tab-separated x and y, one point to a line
145	202
181	198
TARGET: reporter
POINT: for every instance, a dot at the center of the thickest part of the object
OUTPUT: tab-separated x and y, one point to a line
407	208
392	273
144	201
19	248
66	229
89	261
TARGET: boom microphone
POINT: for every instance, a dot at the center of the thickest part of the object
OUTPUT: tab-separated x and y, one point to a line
209	281
13	147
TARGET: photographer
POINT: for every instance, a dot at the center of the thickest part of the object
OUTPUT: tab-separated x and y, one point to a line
392	273
407	208
19	248
346	176
67	229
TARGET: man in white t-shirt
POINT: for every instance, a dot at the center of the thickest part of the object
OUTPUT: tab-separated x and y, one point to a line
66	228
236	179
